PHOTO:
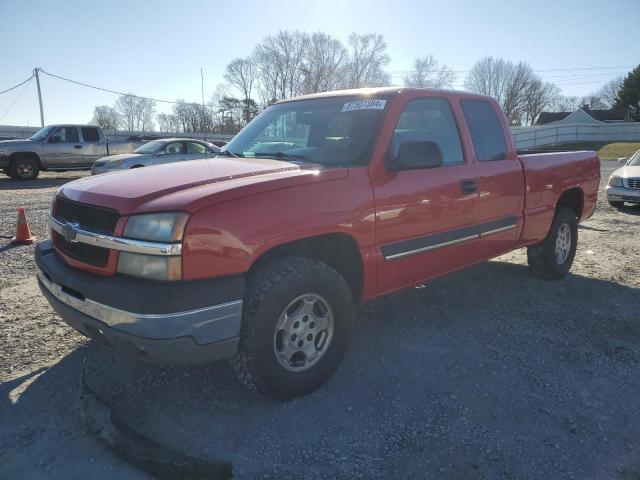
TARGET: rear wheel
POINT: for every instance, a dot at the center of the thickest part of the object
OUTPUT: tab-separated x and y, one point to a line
552	259
24	169
295	330
616	204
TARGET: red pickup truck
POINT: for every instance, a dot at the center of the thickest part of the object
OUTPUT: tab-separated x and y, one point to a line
321	202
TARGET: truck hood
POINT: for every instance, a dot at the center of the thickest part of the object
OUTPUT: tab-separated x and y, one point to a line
15	145
190	186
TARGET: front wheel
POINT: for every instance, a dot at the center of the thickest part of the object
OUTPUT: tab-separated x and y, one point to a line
552	259
24	169
295	329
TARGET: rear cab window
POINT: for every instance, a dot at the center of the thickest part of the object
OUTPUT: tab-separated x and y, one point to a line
486	131
90	134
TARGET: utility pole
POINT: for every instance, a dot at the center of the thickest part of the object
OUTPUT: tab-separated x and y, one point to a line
204	111
35	72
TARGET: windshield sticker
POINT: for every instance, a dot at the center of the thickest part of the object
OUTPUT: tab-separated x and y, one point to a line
375	104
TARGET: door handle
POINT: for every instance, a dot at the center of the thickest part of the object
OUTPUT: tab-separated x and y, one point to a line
469	185
77	146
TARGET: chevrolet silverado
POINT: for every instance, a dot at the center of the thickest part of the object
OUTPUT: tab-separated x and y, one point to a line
320	202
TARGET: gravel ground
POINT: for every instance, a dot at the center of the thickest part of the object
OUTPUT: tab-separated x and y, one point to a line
487	373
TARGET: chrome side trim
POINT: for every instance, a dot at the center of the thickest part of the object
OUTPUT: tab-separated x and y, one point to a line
432	247
227	317
497	230
73	233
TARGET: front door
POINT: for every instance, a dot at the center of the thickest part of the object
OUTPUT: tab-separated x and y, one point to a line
63	149
425	218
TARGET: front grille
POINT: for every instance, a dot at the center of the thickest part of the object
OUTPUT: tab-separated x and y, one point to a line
89	217
633	183
90	254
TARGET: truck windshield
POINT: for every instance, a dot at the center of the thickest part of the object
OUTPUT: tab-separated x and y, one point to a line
327	131
41	134
149	147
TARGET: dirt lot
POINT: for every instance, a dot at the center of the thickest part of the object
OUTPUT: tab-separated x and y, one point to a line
488	373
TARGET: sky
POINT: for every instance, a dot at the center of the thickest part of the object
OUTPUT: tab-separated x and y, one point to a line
157	48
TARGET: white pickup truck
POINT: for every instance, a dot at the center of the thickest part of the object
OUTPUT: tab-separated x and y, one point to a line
58	147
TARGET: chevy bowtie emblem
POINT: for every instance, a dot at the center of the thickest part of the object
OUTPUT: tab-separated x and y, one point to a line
69	231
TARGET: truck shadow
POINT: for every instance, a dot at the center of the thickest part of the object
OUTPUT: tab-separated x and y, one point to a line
444	377
11	184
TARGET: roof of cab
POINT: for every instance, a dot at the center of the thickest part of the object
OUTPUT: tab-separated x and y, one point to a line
366	92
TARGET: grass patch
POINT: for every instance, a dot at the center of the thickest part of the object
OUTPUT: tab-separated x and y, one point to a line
613	151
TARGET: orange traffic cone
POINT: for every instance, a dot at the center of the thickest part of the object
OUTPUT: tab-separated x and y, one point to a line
23	234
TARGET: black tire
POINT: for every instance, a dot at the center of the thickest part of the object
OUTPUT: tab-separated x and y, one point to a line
616	204
24	169
269	291
543	261
136	166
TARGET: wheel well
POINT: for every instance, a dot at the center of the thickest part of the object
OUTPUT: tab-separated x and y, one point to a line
338	250
573	199
31	155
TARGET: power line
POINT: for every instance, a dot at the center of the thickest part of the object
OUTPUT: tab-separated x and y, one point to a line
117	92
571	69
17	97
16	86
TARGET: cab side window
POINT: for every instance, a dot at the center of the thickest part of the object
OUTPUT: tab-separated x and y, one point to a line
486	132
173	148
65	135
428	119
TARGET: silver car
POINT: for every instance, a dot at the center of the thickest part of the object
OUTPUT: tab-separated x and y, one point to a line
624	183
156	152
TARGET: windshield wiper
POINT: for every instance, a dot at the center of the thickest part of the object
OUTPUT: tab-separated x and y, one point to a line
229	153
289	156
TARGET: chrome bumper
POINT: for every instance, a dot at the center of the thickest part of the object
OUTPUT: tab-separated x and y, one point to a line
204	325
621	194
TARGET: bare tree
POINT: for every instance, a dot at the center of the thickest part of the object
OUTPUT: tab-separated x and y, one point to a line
106	117
241	73
427	72
505	81
608	91
323	63
367	59
280	59
540	97
168	122
593	101
137	112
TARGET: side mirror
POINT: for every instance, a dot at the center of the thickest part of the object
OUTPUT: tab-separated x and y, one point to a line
416	155
622	160
55	139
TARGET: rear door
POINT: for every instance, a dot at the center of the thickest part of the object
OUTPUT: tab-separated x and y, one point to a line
424	217
172	152
92	147
499	176
63	148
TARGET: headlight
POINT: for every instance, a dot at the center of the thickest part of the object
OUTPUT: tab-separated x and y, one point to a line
2	153
119	161
156	267
157	227
615	181
154	227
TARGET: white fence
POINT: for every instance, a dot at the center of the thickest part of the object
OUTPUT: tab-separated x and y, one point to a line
10	131
528	137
